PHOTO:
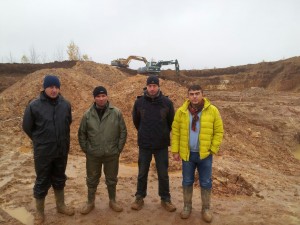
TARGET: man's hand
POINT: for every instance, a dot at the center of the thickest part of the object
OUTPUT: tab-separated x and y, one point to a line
176	156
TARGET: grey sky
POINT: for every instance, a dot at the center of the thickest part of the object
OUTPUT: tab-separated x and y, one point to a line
199	33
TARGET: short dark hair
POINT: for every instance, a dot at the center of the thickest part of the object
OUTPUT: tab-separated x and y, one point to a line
195	87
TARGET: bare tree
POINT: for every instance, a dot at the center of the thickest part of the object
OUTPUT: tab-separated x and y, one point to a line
59	54
25	59
75	54
10	59
33	55
85	57
73	51
44	57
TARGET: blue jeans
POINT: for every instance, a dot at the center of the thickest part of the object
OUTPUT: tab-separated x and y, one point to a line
161	157
204	168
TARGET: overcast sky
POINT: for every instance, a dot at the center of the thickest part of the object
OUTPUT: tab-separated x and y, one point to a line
199	33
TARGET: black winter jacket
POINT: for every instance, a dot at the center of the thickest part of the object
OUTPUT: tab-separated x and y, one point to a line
153	119
47	123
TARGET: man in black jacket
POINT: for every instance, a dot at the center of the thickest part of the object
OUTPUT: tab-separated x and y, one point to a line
153	114
47	122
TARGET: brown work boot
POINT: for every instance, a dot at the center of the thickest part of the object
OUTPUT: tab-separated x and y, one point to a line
138	203
60	203
168	206
39	217
115	206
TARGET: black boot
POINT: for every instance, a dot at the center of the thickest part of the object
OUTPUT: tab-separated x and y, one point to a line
115	206
90	204
39	217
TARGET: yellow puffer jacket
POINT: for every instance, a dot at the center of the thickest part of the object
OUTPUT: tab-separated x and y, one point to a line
211	131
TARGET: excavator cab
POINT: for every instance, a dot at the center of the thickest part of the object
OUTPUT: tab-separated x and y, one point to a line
155	67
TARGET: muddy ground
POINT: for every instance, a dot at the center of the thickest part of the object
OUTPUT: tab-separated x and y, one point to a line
256	175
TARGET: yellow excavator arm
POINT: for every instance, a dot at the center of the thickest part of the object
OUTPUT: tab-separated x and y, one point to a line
125	62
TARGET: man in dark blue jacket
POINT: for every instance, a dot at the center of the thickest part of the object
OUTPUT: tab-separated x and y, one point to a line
153	114
47	122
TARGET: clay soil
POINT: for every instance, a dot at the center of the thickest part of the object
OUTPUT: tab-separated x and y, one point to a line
256	174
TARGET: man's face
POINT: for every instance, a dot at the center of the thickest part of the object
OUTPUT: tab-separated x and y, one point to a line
195	97
101	100
52	91
152	89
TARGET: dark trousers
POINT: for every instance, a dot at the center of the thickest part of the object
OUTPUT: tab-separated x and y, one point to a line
94	170
162	163
49	172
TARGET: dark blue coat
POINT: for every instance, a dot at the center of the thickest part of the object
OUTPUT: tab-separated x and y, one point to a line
153	119
47	123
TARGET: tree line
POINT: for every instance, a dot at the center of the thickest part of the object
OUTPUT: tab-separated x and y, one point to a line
73	53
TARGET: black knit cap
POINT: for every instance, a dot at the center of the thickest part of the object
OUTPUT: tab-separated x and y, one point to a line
153	80
51	80
99	90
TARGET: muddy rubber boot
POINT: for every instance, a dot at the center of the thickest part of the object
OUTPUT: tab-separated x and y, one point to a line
187	199
112	199
90	204
39	217
138	203
60	203
206	212
115	206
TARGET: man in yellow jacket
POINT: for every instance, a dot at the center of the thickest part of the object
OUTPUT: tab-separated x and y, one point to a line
197	132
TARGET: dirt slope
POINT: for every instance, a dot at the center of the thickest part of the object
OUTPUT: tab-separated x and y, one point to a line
11	73
282	75
255	172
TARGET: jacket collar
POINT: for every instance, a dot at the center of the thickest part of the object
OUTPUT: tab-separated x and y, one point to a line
184	107
44	97
157	98
106	113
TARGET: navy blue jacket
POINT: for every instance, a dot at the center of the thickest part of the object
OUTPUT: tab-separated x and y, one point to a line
47	123
153	119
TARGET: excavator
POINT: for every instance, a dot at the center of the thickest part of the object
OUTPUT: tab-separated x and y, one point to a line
125	62
155	67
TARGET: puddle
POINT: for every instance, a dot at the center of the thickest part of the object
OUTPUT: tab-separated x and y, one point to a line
20	214
297	152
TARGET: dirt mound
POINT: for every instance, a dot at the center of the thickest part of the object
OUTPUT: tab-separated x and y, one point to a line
282	75
124	99
77	86
11	73
255	165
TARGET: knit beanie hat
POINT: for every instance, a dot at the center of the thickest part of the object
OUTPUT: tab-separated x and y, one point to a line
153	80
99	90
51	80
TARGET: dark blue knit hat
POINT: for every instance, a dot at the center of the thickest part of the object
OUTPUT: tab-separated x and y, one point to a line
51	80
